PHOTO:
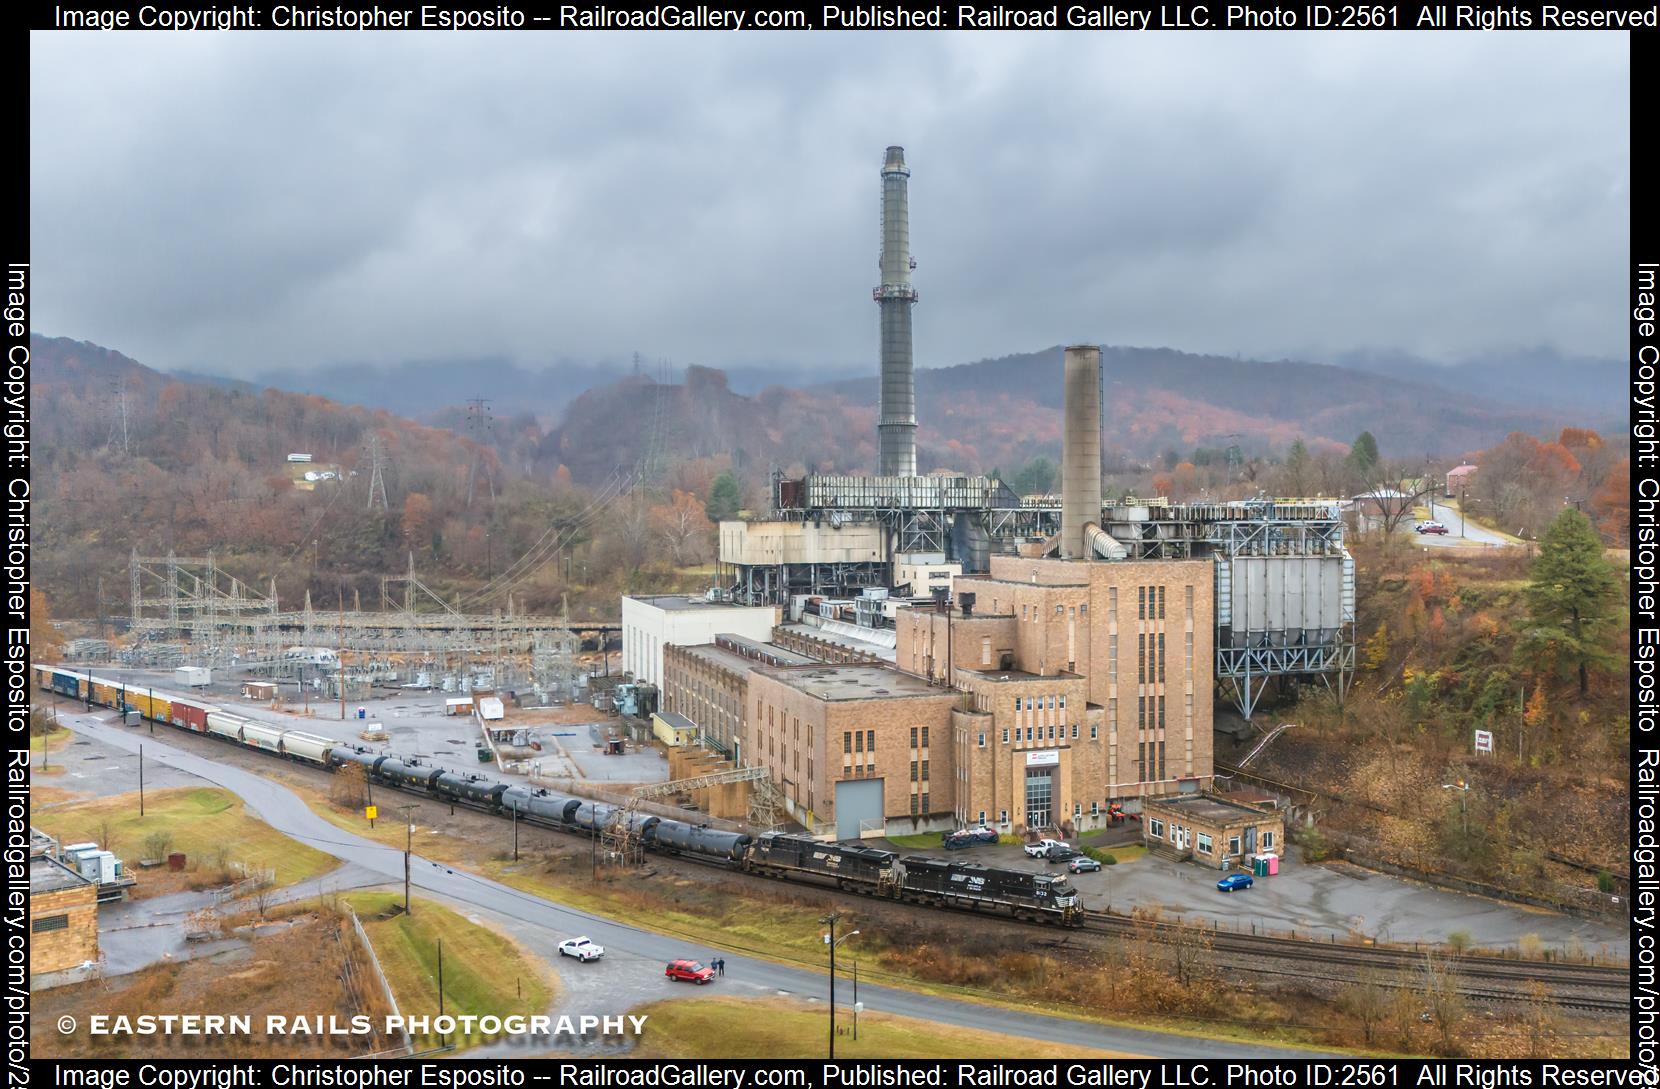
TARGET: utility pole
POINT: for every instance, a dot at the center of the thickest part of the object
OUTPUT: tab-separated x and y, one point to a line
832	941
408	845
141	780
515	833
340	652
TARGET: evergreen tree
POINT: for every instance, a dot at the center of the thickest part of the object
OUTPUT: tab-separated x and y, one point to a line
1363	455
1571	598
724	500
1296	469
1036	478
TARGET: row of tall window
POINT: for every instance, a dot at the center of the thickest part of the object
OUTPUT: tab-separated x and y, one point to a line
1037	734
1149	602
1149	666
859	741
1150	761
1149	712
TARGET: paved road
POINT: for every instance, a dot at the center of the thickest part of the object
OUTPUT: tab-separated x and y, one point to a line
285	812
1460	531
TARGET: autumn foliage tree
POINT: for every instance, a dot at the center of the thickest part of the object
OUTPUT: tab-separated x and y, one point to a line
45	645
684	528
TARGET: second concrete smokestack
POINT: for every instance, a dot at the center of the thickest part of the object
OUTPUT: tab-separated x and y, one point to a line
896	424
1080	448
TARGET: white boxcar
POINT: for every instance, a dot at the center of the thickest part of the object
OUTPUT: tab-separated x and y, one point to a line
262	737
218	722
307	746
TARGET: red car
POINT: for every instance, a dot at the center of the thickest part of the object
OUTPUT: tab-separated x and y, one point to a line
1433	527
690	970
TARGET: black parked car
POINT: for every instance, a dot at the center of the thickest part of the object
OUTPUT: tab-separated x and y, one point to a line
1062	854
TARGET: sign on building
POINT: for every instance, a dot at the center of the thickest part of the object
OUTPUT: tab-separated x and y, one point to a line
1484	741
1042	758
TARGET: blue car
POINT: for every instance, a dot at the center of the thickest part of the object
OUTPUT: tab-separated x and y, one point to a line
1234	881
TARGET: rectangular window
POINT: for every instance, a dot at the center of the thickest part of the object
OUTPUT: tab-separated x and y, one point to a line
1204	844
925	771
913	737
1002	816
982	818
1141	602
982	740
1161	712
847	742
1074	731
1141	762
913	805
925	737
1093	732
1017	705
925	806
858	741
1005	735
847	771
985	650
1161	603
1233	845
1155	828
1267	841
1028	733
1141	712
1161	761
870	741
913	771
1141	659
1094	809
1077	809
1063	703
49	922
1161	657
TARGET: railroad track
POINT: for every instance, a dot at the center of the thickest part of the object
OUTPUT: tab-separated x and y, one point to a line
1558	976
1377	956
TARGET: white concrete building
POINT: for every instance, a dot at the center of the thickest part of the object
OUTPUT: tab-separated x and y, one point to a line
650	623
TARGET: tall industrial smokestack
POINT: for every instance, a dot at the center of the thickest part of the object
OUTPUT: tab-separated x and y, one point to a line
1080	449
896	427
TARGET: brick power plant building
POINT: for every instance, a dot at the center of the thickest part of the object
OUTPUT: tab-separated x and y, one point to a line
1025	661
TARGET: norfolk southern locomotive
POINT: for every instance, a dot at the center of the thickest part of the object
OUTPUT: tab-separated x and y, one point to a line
1037	896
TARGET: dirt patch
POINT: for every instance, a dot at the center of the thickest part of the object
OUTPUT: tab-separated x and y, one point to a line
313	969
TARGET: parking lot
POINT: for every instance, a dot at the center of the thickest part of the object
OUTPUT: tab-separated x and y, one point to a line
1319	900
416	725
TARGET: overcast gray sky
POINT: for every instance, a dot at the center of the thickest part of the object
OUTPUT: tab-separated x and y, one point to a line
236	203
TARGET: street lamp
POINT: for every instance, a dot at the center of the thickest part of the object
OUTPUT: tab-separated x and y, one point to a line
1463	789
832	941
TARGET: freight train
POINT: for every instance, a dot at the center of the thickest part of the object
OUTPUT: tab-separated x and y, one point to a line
1036	896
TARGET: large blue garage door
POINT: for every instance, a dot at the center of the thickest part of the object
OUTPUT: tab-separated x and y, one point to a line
857	801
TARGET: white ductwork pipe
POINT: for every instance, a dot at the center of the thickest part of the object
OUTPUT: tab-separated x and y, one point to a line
1103	544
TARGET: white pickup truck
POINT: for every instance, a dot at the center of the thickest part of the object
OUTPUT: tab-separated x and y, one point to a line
1040	849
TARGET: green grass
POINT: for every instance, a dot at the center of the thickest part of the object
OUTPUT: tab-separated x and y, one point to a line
484	972
57	739
200	821
919	842
737	1028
